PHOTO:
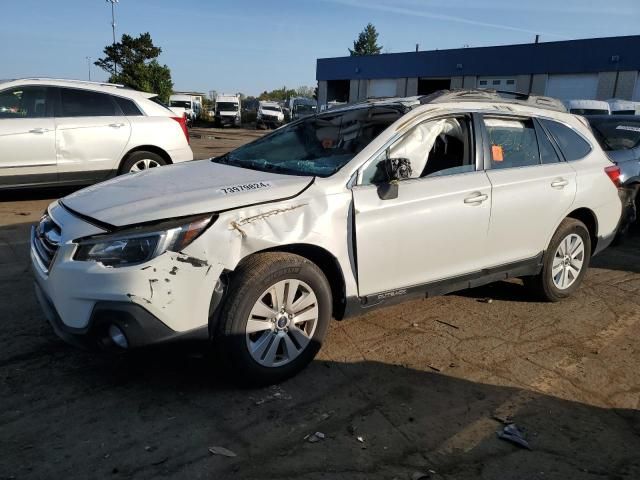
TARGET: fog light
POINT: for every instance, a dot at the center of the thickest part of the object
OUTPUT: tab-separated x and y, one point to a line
117	336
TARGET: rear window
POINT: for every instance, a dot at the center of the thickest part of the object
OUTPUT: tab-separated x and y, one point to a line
572	145
84	103
617	134
157	101
127	106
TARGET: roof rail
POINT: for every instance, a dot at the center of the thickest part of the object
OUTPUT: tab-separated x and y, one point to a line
478	95
72	80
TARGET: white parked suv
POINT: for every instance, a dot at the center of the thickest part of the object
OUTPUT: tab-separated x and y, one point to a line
67	132
331	215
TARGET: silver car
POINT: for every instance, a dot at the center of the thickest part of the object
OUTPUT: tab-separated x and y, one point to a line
619	136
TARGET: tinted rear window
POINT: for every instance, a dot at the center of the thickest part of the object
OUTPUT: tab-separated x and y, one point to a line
128	107
572	145
83	103
617	134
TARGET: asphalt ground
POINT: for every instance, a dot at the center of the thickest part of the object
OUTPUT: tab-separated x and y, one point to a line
420	387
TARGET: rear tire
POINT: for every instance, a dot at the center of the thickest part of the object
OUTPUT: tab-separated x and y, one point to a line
141	160
564	264
274	321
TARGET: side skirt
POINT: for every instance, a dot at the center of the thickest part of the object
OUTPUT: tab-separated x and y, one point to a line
360	305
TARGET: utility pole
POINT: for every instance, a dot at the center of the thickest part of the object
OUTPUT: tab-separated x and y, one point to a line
113	29
89	66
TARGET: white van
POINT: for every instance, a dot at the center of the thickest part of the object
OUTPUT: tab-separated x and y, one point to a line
228	110
588	107
184	105
623	107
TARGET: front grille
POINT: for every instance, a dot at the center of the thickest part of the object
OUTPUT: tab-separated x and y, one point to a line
46	240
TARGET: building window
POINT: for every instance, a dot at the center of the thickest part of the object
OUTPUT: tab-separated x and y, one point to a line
511	82
496	82
483	83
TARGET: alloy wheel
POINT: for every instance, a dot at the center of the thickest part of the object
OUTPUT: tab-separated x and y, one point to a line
568	261
282	323
144	164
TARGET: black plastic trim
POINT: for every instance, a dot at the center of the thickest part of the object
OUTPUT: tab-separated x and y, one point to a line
358	305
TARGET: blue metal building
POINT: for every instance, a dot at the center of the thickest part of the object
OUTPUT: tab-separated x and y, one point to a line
596	68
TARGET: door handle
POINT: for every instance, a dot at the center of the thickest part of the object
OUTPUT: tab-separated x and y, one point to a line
116	125
39	130
560	183
476	198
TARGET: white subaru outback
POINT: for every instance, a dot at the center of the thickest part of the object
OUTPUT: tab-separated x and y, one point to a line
329	216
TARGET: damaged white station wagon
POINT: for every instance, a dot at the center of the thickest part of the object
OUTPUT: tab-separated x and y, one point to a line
328	217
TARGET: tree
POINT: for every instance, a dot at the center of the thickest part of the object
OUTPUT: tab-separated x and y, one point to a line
367	43
305	91
137	65
278	95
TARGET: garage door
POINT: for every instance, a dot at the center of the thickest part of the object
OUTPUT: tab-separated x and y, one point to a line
569	87
385	87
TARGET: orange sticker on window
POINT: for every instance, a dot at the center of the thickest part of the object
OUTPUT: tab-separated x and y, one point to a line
497	153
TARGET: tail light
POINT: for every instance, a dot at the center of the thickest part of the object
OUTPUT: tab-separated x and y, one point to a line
613	172
183	124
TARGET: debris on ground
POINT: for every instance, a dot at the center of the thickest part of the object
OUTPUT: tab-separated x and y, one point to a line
415	324
315	437
419	476
360	438
504	419
276	393
222	451
448	324
326	415
511	433
149	448
435	369
485	300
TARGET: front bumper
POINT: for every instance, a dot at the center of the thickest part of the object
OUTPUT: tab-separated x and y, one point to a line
228	120
167	298
138	325
272	122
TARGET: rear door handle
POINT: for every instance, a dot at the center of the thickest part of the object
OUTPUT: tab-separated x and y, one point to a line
116	125
476	198
560	183
39	130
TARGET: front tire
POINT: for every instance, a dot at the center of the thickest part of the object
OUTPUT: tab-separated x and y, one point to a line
274	321
565	262
141	160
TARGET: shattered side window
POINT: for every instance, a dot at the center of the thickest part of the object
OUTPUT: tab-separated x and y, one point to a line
432	148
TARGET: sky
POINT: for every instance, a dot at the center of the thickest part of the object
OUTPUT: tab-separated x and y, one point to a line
254	45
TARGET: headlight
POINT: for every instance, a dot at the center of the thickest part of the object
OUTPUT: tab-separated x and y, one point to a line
140	244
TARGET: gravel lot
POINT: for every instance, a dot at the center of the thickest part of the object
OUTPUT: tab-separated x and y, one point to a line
412	388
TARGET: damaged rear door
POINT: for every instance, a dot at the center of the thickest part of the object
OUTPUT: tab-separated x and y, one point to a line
436	227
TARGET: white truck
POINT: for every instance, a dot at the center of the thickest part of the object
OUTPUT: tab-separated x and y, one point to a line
270	115
186	105
228	110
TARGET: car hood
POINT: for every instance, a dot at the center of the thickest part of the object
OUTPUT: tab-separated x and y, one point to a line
180	190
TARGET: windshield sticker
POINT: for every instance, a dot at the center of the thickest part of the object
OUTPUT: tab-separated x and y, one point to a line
629	128
244	187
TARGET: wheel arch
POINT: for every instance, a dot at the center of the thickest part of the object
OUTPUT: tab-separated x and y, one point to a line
588	217
145	148
327	262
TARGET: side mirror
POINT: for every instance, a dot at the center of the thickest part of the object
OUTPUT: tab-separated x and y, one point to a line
390	172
